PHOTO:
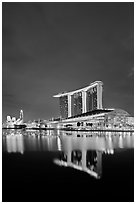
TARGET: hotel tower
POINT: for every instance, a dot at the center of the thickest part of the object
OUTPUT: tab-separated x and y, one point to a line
81	101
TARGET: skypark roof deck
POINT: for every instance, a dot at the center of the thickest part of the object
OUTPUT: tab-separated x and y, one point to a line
79	90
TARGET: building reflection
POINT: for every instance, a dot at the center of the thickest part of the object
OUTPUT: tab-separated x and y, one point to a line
84	151
13	142
86	161
79	150
26	141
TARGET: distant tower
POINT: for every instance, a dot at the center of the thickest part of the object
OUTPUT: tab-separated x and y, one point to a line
21	114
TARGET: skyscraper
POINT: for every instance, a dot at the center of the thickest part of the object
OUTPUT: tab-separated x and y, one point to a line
63	100
77	103
21	115
91	99
81	101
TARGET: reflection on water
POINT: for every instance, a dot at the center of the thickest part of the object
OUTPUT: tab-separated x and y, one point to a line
13	142
87	161
79	150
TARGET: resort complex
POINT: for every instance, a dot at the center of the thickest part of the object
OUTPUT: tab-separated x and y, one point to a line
81	109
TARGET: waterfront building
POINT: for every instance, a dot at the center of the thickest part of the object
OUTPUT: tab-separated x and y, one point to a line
80	101
82	109
106	119
64	106
77	102
12	122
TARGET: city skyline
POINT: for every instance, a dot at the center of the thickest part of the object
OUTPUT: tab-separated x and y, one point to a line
54	47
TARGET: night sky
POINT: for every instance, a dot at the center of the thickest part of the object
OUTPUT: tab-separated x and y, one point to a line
48	48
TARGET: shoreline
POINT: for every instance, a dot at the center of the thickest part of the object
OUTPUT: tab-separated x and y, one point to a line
77	130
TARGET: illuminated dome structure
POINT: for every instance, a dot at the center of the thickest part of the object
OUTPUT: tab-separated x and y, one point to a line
118	112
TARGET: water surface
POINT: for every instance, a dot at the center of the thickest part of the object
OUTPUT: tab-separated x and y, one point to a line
67	166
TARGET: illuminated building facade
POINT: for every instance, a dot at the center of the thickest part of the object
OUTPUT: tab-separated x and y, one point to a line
77	100
63	106
81	101
84	111
91	99
13	122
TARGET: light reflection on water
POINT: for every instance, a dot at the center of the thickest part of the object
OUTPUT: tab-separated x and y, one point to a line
79	150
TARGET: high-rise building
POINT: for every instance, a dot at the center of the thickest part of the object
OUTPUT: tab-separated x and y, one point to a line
77	97
63	106
91	99
21	115
81	101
